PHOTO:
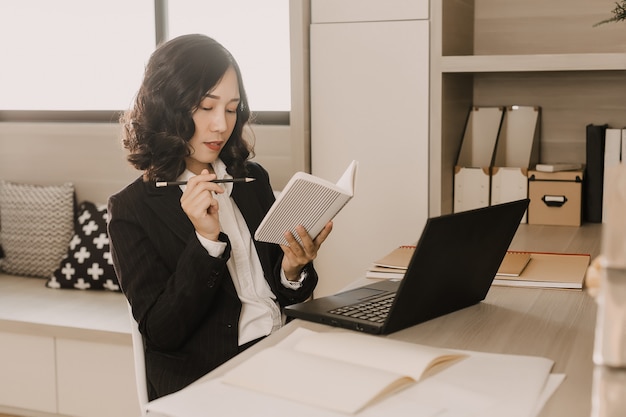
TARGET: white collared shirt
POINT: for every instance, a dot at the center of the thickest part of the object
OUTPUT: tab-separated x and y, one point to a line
260	313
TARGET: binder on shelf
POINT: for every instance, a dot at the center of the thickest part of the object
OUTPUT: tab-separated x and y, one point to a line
472	172
594	175
517	150
623	153
612	158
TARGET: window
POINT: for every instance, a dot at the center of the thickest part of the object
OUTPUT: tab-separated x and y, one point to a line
73	54
89	55
255	32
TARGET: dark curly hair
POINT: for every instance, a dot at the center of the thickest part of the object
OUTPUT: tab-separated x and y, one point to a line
157	129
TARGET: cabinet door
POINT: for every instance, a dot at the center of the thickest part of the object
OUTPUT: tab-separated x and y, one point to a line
369	102
27	372
96	379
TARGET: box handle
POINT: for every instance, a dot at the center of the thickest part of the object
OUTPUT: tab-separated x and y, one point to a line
554	200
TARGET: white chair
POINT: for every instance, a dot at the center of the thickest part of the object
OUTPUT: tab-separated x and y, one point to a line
140	364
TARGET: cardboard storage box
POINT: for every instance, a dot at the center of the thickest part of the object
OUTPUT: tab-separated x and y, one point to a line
555	197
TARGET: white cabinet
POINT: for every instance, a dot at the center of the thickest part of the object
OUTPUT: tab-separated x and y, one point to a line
69	377
95	379
64	352
27	365
369	84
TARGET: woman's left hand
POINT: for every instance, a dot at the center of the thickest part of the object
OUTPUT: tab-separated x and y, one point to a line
298	255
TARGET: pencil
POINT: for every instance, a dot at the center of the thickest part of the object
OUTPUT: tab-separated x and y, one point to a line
170	183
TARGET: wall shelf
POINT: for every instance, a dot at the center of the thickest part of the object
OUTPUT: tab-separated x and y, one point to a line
536	63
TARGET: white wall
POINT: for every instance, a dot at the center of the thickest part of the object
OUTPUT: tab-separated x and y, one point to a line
53	153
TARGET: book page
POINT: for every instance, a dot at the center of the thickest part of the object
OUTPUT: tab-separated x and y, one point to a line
308	201
364	368
403	358
347	182
314	380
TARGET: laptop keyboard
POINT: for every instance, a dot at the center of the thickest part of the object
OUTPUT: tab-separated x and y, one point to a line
374	310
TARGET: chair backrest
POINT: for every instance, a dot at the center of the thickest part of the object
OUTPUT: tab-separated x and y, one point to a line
140	364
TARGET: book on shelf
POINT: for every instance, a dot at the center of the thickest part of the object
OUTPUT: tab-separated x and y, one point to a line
623	152
341	371
549	270
309	201
558	166
513	264
393	265
594	173
612	159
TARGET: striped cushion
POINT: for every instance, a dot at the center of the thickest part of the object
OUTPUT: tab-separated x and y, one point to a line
36	224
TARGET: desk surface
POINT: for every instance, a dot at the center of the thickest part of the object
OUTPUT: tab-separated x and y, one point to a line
557	324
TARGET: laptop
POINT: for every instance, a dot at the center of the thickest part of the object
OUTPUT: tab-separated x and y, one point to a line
452	267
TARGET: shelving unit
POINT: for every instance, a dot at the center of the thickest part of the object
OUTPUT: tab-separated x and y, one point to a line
537	52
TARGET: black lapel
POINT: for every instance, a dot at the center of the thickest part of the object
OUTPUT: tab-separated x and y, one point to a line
165	203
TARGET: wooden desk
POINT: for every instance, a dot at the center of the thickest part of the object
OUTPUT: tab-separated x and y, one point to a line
557	324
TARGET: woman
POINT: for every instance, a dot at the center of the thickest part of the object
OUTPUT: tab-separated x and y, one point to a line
200	288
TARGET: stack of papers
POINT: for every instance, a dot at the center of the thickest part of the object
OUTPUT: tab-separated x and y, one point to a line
393	265
548	270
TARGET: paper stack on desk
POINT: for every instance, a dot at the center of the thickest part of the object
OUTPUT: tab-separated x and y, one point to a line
393	265
548	270
474	383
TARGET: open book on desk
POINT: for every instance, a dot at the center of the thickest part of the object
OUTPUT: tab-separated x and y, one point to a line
341	371
479	384
309	201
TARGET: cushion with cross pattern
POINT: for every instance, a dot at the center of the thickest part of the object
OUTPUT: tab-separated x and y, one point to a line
87	264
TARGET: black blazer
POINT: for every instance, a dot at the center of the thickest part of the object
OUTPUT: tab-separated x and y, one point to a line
183	299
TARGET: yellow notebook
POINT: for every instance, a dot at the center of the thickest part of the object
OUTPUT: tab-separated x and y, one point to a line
393	265
398	258
513	264
550	270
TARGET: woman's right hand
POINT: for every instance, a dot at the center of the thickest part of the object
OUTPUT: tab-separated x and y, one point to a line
200	205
